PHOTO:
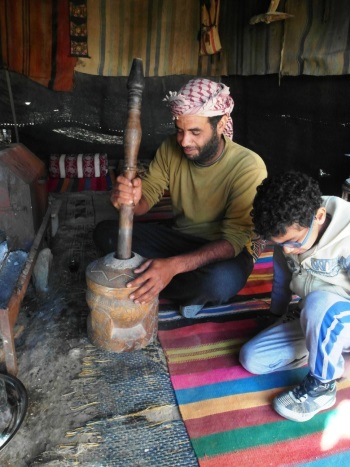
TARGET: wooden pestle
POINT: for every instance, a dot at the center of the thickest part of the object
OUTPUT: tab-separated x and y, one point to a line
132	140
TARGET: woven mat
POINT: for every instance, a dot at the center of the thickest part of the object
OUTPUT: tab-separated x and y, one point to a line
134	418
126	400
227	411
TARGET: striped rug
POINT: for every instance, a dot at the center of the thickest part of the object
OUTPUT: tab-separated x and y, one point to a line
227	411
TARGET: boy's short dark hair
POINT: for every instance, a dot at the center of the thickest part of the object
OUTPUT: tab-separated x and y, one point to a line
283	200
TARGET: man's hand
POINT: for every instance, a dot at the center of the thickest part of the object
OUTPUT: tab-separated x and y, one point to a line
126	191
155	275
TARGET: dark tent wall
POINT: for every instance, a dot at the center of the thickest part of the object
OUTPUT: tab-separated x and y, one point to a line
301	123
90	118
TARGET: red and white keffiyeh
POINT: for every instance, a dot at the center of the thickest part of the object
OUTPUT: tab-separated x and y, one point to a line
202	97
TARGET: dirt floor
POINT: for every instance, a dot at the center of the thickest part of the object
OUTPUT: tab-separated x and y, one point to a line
87	406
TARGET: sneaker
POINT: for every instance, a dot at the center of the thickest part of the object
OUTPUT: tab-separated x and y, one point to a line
305	401
190	311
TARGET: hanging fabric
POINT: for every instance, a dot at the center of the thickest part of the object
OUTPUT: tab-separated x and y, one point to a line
78	28
209	33
34	41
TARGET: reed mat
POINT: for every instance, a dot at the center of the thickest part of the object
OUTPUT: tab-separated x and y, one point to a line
227	411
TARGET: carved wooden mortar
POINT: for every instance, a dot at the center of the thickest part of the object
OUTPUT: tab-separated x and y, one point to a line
115	322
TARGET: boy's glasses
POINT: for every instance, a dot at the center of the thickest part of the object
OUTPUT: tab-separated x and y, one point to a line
298	244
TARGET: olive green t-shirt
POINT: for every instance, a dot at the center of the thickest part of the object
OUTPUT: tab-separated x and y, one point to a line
212	202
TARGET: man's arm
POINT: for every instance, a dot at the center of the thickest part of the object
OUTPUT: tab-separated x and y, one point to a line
157	273
211	252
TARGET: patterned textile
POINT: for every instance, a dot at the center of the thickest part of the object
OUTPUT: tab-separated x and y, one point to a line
78	165
34	40
202	97
163	33
315	41
67	185
312	42
227	411
78	28
209	33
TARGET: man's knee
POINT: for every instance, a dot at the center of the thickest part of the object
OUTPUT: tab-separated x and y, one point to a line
224	280
216	287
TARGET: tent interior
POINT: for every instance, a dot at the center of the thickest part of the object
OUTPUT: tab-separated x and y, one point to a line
287	64
308	113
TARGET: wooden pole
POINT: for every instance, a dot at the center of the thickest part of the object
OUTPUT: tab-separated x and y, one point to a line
132	140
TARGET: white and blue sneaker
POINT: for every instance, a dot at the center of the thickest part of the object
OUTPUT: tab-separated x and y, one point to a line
304	401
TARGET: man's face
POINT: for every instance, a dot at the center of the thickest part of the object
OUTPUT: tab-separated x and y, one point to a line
198	140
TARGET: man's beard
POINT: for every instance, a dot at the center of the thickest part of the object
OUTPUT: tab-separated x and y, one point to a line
207	152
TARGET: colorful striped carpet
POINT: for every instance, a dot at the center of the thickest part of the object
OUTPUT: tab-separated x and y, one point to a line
227	411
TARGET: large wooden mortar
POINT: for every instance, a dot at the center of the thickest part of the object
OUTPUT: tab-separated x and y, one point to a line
115	322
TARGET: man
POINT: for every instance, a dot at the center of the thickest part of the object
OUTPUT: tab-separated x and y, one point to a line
205	257
311	259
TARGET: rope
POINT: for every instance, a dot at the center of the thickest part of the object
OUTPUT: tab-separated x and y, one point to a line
12	103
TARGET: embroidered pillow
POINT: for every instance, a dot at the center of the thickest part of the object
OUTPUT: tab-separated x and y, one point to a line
78	165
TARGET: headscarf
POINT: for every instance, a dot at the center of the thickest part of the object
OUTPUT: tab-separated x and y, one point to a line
204	98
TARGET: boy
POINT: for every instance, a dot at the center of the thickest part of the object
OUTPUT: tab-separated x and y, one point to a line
311	234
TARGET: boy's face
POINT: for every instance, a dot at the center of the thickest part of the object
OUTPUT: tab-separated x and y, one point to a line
299	239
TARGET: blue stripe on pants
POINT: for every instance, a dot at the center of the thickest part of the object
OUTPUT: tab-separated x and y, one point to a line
332	328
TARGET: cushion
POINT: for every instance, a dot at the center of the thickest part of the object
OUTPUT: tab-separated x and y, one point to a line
78	165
